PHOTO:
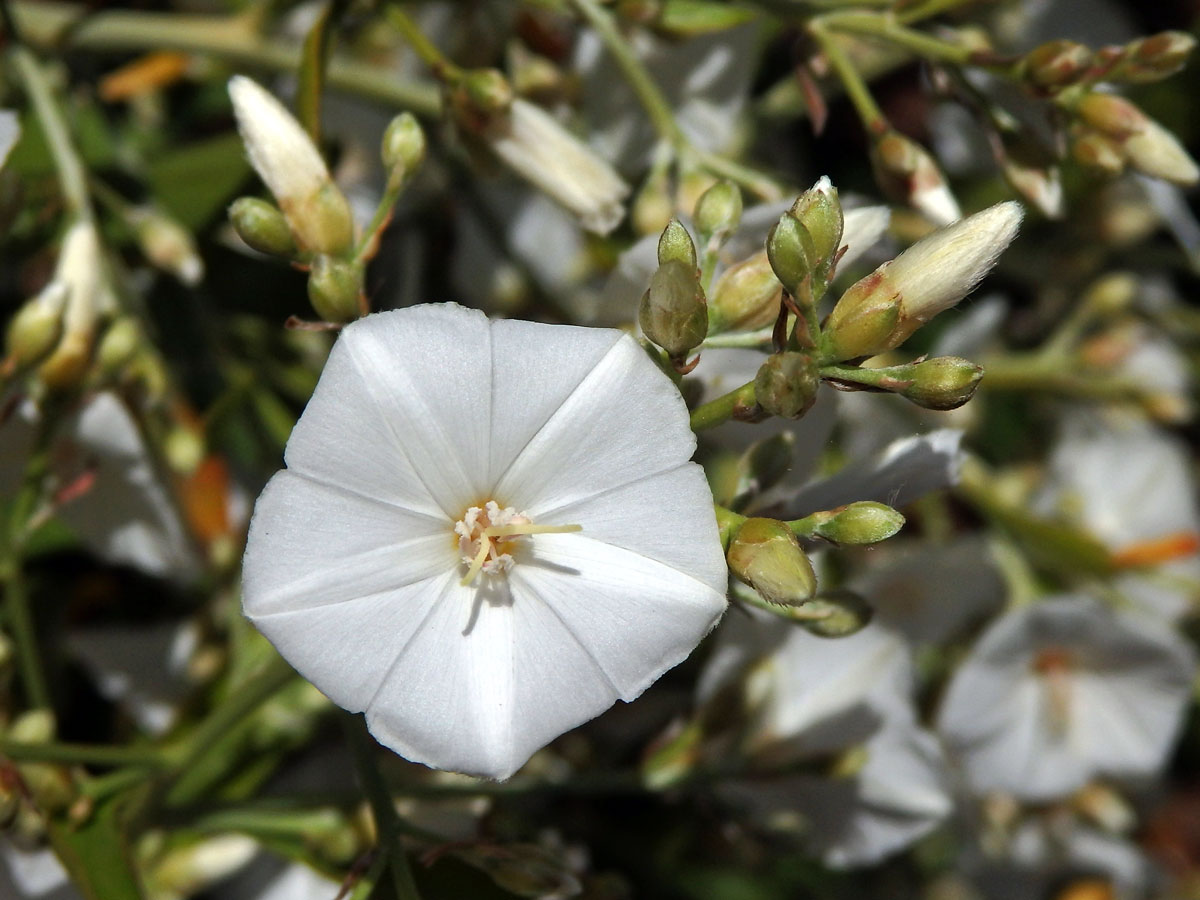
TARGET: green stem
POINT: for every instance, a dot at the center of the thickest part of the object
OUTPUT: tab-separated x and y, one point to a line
83	754
230	38
915	12
648	94
20	622
885	28
728	522
723	408
1023	372
765	188
429	54
755	339
388	824
856	89
71	174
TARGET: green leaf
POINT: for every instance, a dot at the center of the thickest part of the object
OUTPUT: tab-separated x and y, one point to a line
195	184
688	18
314	59
97	855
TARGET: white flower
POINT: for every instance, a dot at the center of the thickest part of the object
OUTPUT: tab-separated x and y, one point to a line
358	570
1131	486
1063	691
535	146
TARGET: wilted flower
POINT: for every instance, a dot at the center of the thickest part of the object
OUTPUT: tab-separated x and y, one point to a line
1057	693
488	533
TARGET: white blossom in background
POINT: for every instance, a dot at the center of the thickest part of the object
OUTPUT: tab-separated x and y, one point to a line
10	133
1063	691
430	426
1131	485
539	149
126	514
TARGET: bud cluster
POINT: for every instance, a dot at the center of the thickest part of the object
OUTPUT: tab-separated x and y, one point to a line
673	311
1110	134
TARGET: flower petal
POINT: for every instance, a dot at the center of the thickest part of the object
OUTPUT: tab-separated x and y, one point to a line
311	544
637	617
624	421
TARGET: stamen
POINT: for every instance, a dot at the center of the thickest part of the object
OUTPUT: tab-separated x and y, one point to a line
488	541
1157	550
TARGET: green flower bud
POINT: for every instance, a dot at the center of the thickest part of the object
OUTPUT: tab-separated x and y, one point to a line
37	726
944	382
719	211
403	146
184	449
334	288
746	296
790	251
487	91
262	226
36	328
768	557
836	614
673	312
168	245
676	244
118	345
862	522
820	212
786	384
1056	65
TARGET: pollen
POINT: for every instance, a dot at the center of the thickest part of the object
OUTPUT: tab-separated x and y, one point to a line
488	536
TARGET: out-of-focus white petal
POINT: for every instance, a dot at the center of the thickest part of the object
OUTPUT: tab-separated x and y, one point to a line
862	228
10	133
34	874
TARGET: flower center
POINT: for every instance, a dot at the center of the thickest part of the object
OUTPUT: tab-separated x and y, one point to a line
488	535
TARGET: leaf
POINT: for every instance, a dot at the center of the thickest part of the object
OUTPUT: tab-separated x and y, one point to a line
196	183
688	18
97	855
314	59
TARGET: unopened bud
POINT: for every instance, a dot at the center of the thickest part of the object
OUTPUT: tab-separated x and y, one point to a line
746	296
184	449
653	207
790	251
862	522
719	211
403	146
941	383
488	91
1099	153
81	268
836	614
36	726
676	244
907	173
1156	57
1147	146
786	384
168	246
1056	65
673	313
334	289
1111	294
766	555
118	345
820	212
879	312
291	166
692	186
262	226
35	329
1031	172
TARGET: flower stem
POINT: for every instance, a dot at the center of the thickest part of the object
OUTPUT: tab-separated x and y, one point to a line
83	754
429	54
856	89
71	174
231	38
723	408
886	28
388	825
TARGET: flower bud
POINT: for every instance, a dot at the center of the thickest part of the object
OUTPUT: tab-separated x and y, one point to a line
790	251
786	384
334	289
746	296
403	147
1147	146
766	555
168	245
653	207
535	146
37	726
488	91
1056	65
292	168
673	313
941	383
1097	152
719	211
883	309
820	212
1156	57
676	244
836	614
81	268
262	226
118	345
35	329
908	174
862	522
